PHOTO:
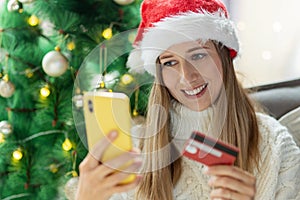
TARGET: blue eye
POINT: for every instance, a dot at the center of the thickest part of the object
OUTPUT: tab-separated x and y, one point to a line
169	63
198	56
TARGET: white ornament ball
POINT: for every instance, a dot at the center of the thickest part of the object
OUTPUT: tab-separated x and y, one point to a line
123	2
26	1
78	101
7	89
71	187
5	128
13	5
54	63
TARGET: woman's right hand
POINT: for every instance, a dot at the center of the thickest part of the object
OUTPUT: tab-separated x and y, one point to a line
101	181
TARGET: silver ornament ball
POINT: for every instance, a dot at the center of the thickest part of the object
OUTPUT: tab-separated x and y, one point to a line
7	89
55	63
5	128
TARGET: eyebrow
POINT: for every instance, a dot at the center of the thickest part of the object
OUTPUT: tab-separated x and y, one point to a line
196	48
165	56
188	51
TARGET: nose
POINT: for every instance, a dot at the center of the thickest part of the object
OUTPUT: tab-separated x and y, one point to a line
189	72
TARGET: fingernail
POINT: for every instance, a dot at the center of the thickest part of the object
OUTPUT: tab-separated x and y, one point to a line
135	150
113	134
138	159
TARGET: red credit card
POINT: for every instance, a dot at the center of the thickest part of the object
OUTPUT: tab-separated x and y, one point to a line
209	151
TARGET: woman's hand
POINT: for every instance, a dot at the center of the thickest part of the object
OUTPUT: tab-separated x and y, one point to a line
100	181
230	182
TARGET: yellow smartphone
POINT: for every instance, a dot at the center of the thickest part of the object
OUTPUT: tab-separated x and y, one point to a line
104	112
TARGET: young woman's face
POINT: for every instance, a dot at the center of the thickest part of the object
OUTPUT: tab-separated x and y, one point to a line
192	72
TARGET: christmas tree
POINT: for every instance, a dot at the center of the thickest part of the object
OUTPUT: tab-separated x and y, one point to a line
43	46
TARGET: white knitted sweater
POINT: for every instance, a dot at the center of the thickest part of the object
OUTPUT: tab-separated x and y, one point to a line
279	176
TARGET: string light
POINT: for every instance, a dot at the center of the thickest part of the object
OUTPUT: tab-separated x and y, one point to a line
67	145
136	103
71	46
2	138
135	113
53	168
131	37
33	20
74	173
5	78
102	84
17	154
28	73
44	91
107	33
57	48
21	9
126	79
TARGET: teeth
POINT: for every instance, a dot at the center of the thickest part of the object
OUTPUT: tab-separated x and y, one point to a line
195	91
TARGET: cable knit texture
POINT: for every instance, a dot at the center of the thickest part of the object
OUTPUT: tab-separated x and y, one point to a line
292	121
279	175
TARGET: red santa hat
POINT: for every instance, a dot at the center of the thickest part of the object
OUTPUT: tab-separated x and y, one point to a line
168	22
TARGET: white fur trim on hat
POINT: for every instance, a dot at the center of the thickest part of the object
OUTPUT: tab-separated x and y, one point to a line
190	26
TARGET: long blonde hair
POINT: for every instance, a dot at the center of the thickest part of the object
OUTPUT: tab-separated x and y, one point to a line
240	129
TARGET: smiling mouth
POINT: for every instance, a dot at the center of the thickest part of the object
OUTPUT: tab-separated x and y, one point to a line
196	91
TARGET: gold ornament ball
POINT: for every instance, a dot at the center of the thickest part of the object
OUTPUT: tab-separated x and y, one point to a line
7	89
55	64
71	187
123	2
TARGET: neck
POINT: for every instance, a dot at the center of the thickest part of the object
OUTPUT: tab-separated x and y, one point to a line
184	121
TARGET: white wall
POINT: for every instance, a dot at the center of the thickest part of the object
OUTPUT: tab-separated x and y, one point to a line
269	32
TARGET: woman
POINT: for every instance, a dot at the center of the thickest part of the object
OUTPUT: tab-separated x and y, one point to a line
189	47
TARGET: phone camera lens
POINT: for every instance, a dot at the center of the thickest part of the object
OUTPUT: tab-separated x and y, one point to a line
90	105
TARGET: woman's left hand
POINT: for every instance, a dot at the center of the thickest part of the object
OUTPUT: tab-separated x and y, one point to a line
231	182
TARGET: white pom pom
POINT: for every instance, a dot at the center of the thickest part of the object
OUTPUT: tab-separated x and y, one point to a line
135	62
